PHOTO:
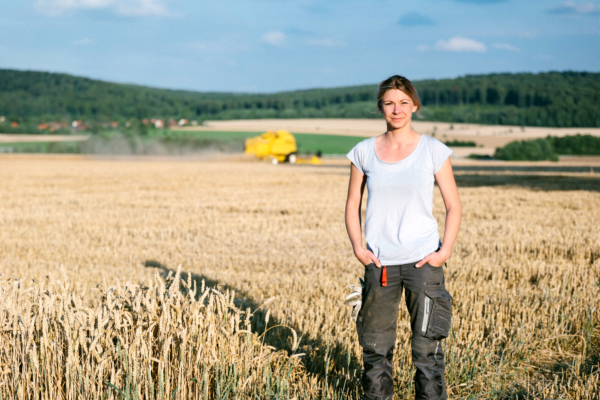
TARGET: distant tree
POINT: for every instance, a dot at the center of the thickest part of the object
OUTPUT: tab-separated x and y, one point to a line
581	145
527	150
460	143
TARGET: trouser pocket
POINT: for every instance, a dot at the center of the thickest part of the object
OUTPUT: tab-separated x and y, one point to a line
437	314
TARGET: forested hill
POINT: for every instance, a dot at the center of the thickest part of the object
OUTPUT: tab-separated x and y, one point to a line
559	99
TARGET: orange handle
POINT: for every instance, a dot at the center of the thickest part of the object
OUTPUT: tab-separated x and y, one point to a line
383	276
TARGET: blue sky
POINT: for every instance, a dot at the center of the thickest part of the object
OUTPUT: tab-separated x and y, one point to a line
274	45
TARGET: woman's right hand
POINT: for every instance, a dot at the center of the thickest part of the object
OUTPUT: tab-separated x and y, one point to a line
366	257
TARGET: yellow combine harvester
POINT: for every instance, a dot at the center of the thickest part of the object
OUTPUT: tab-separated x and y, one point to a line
279	146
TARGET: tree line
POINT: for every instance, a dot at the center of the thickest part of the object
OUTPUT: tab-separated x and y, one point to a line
555	99
549	148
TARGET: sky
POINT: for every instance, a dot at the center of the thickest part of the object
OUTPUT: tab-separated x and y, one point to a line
275	45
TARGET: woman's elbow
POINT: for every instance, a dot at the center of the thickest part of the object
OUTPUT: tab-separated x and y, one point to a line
352	206
455	207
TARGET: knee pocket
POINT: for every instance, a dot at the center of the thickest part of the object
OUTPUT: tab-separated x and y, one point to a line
423	344
381	351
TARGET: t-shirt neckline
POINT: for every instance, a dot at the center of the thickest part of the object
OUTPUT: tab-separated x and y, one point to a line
397	162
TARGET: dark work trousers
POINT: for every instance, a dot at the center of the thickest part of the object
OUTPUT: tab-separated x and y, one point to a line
430	308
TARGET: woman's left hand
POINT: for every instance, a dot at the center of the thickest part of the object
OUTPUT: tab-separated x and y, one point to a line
435	259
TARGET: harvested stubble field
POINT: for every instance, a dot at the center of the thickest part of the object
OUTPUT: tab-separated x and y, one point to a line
108	315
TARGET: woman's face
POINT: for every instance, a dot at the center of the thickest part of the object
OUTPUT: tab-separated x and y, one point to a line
397	108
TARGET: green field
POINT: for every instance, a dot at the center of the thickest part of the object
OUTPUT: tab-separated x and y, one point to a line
306	142
226	141
42	147
327	144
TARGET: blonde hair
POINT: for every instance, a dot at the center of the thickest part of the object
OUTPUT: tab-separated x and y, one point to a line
400	83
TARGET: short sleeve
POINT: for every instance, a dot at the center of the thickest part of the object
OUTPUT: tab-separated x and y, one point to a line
357	156
439	153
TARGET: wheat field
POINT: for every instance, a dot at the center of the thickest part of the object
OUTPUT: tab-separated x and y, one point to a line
225	279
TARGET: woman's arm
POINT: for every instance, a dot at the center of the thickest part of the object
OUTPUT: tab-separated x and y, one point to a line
356	188
447	184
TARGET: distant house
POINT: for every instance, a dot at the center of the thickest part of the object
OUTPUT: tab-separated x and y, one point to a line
183	122
14	124
54	126
159	124
43	126
114	124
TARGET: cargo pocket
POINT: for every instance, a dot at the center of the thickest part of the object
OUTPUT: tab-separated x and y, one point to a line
437	314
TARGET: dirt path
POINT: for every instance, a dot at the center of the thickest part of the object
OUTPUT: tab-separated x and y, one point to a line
34	138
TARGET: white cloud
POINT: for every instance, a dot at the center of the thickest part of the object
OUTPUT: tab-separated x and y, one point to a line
422	47
143	8
570	7
505	46
57	7
460	44
119	7
274	38
83	42
325	43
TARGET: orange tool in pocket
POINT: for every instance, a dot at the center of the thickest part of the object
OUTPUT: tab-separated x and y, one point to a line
383	276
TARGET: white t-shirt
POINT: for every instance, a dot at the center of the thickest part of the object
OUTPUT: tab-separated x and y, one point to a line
399	225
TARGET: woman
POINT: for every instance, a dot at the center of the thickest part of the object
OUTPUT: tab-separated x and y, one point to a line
403	246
